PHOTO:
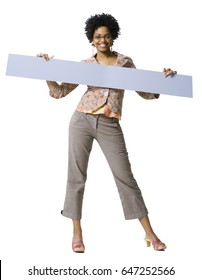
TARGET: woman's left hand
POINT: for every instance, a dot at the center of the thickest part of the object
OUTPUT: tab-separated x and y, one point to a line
45	56
169	72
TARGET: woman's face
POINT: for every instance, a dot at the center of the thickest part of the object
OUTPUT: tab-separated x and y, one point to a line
102	39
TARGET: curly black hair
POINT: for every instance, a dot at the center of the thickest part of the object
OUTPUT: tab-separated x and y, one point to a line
96	21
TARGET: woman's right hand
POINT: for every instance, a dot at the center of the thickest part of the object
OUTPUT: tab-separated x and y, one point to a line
45	56
169	72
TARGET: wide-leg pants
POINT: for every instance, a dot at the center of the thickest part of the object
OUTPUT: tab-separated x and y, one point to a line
83	129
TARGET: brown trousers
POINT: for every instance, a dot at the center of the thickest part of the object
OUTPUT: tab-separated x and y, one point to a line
83	129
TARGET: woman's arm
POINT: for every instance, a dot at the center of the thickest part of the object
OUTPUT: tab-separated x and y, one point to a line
166	72
146	95
57	90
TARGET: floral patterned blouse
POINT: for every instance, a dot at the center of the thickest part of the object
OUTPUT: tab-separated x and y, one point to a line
101	100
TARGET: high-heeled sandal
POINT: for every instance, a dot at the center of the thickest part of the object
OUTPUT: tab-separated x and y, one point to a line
157	244
77	245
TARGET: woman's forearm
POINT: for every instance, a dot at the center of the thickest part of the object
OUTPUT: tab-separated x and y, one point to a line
60	90
52	85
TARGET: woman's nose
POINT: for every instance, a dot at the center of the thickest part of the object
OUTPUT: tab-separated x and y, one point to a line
102	39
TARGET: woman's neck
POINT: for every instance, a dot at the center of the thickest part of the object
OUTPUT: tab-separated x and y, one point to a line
108	58
104	55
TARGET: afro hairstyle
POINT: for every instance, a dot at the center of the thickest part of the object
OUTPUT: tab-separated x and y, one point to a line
98	20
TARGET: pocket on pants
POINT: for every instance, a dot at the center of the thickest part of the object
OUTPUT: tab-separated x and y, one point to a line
75	117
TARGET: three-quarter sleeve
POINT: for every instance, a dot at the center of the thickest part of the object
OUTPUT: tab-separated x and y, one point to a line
62	90
147	95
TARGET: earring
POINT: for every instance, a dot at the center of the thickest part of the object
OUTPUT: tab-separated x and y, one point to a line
111	50
93	50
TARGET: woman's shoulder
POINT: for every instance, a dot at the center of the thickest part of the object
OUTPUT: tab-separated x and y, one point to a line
89	60
124	60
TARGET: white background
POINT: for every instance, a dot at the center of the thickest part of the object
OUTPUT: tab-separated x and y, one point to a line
163	139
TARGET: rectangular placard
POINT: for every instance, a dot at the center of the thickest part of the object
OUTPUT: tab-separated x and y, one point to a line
93	74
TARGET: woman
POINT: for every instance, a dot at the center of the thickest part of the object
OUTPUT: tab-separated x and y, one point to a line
97	117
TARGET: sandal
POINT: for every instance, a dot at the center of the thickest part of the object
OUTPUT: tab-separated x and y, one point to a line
76	246
157	244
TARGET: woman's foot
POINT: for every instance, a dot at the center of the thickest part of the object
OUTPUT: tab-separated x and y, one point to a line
78	246
77	243
151	237
157	244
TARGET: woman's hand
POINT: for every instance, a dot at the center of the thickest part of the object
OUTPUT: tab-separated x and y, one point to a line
169	72
45	56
